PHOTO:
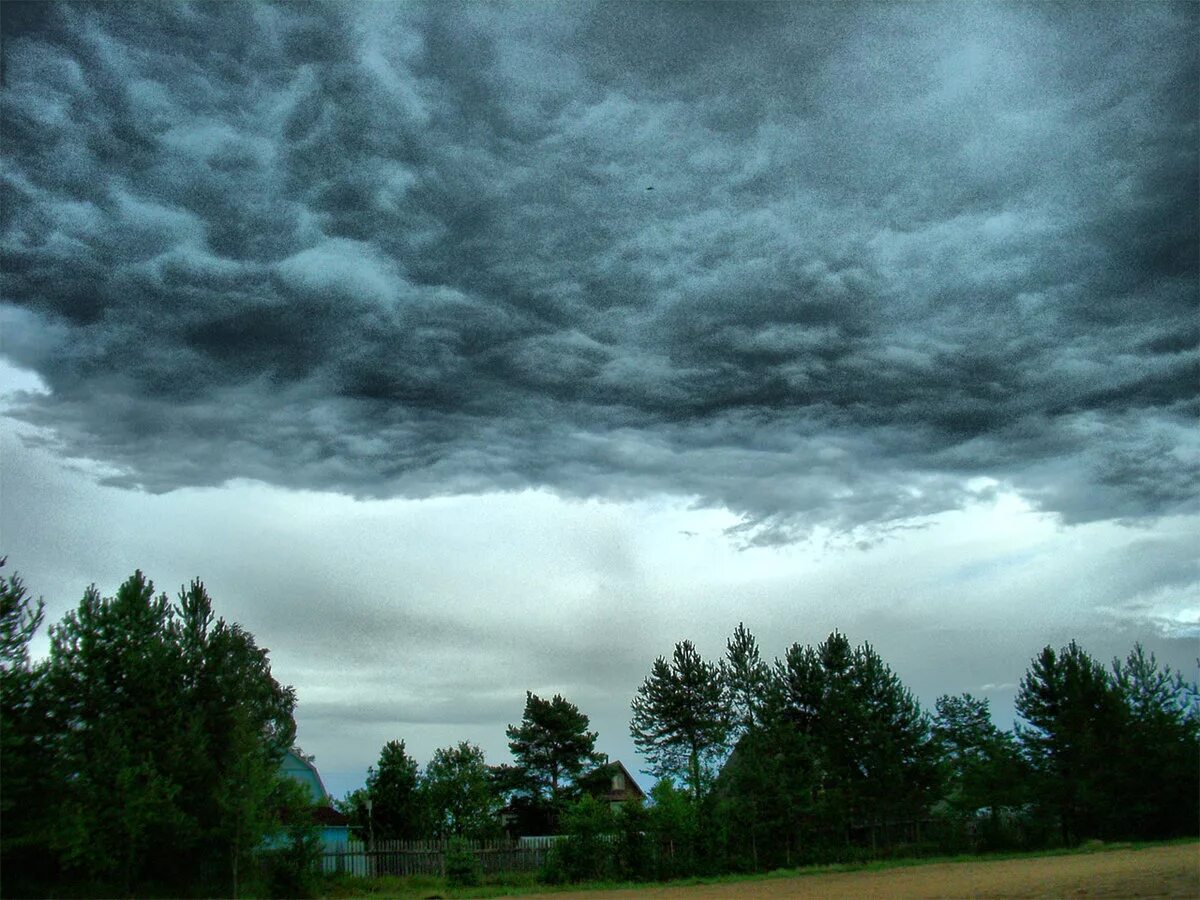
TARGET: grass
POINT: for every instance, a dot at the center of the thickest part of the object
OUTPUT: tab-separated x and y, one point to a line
414	887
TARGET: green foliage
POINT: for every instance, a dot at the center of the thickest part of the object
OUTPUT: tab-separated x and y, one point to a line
746	678
127	805
1157	782
395	791
635	847
875	763
982	765
460	793
552	747
25	749
764	791
680	718
20	618
293	870
675	825
1075	716
1114	754
462	865
588	850
984	773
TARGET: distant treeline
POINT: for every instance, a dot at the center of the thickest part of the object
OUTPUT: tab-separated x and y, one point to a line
821	756
142	757
825	755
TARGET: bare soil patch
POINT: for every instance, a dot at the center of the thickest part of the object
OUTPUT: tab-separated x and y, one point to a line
1172	871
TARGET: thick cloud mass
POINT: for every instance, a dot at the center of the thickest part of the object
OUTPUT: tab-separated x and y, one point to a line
820	265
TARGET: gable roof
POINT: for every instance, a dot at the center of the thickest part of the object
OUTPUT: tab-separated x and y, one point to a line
296	766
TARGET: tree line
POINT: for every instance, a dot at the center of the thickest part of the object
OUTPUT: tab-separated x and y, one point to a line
459	795
142	756
822	755
825	754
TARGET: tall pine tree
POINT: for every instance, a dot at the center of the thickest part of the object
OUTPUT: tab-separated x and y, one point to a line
680	718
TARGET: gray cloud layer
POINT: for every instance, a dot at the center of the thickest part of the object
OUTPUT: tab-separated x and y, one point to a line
405	250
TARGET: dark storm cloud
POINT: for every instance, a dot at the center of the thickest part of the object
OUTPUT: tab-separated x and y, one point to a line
411	250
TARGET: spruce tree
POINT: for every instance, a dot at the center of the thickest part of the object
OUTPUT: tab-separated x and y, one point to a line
394	787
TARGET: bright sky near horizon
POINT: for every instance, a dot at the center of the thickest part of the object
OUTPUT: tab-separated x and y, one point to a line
365	315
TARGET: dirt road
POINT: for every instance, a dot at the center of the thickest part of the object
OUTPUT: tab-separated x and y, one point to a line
1154	872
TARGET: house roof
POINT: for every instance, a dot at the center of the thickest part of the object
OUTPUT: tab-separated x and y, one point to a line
296	765
327	815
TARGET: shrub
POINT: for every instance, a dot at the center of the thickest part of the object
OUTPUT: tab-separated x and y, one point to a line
634	850
586	851
462	865
292	870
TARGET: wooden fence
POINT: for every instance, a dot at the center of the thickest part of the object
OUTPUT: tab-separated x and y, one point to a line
394	857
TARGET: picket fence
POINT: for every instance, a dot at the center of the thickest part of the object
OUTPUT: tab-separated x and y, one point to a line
395	857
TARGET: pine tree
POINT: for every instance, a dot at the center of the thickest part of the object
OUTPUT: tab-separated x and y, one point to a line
1158	789
553	748
1075	716
26	755
680	718
746	679
982	765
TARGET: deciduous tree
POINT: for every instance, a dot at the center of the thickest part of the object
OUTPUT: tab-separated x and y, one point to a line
460	791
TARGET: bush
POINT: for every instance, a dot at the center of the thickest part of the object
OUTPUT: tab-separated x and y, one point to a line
634	850
676	828
586	851
293	870
462	865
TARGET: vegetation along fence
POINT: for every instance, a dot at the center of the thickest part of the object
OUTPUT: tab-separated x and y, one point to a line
394	857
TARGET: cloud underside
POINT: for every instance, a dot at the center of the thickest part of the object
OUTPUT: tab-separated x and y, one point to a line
890	254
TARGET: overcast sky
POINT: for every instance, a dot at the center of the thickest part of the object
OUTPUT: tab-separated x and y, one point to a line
470	350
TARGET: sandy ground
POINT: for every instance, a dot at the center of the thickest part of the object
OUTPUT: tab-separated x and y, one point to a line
1155	872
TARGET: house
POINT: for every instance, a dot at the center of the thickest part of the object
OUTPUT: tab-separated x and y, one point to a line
334	827
301	769
609	783
622	786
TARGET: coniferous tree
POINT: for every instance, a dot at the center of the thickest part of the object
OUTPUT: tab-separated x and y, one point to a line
764	790
897	760
394	787
1075	717
874	761
680	717
1158	778
746	678
25	753
982	765
553	748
